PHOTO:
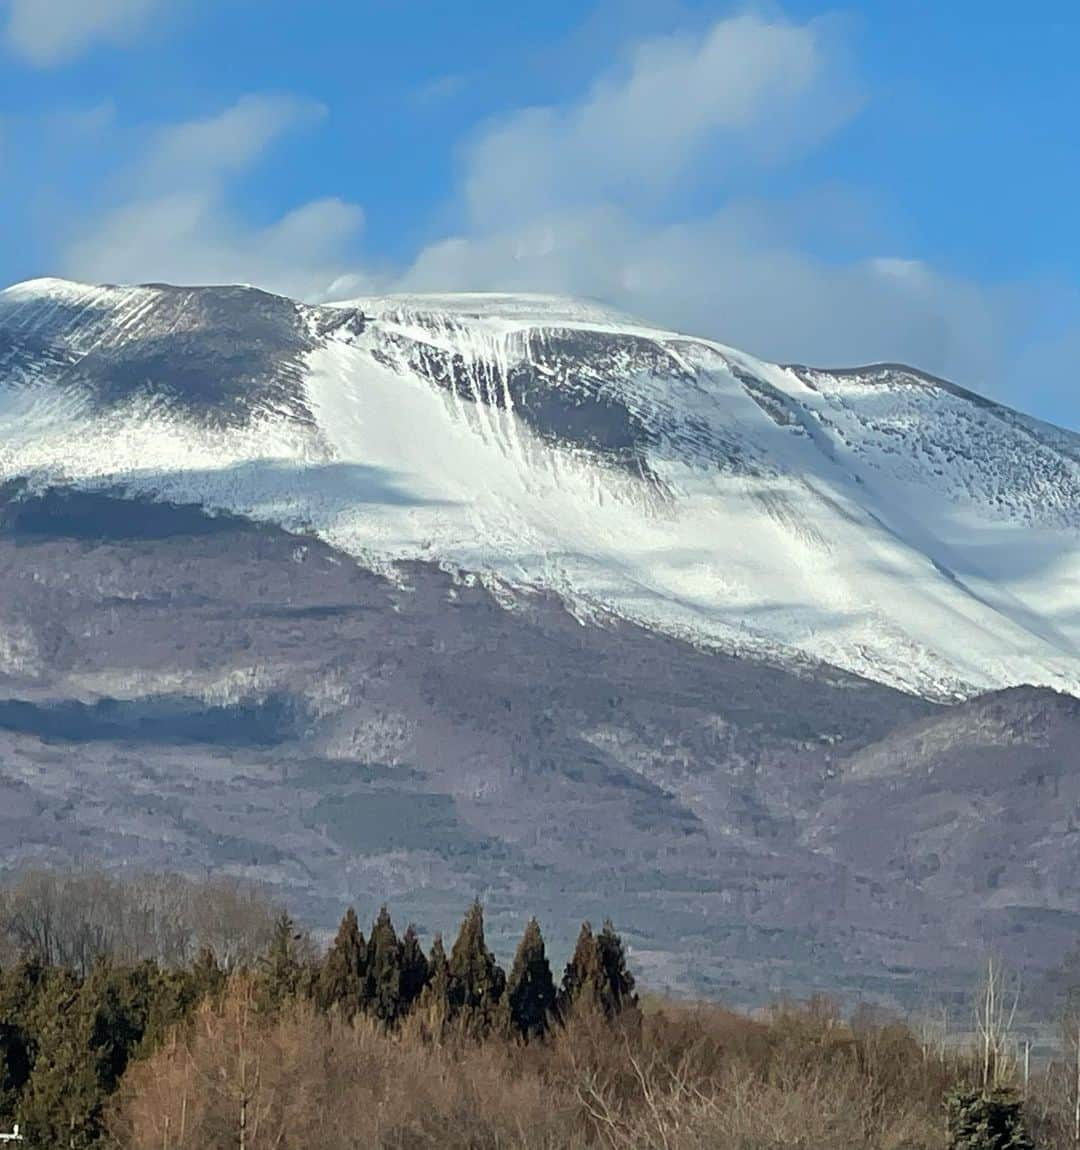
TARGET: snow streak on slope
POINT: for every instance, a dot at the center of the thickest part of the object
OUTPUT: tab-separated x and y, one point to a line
876	519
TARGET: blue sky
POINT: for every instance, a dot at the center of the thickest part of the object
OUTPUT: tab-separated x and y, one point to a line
825	184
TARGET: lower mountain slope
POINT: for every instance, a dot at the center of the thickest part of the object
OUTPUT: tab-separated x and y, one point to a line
181	690
978	806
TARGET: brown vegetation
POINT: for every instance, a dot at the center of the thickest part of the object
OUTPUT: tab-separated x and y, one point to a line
680	1077
115	1031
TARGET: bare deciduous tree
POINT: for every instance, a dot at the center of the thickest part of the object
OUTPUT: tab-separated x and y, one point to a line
73	918
683	1078
995	1013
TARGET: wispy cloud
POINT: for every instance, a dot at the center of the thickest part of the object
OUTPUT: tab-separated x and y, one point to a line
642	192
746	91
585	199
190	238
207	150
709	277
440	89
51	32
179	226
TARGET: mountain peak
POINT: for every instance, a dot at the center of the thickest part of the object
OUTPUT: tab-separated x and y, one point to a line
875	518
52	288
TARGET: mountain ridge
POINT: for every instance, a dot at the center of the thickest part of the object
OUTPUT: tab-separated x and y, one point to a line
874	518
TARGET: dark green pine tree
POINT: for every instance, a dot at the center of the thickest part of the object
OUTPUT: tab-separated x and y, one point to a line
994	1121
617	986
15	1066
439	967
342	981
583	977
121	1001
414	969
20	988
281	968
166	998
530	990
477	981
85	1035
63	1100
384	970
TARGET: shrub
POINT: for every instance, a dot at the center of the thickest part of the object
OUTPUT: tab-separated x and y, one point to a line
987	1121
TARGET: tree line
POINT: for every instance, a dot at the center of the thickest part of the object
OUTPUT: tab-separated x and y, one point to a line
166	1013
70	1029
385	977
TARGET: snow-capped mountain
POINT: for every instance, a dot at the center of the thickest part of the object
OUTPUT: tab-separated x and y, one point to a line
463	710
877	519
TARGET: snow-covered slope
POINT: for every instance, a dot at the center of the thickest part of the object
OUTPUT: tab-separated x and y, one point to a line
878	519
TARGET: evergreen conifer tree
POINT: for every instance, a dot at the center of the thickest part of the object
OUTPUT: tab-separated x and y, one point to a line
162	998
993	1121
414	969
476	980
434	1002
384	970
583	977
63	1100
20	987
342	981
530	990
617	986
15	1065
120	1002
439	968
281	967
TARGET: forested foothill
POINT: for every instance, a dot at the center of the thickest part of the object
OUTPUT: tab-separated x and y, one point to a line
162	1012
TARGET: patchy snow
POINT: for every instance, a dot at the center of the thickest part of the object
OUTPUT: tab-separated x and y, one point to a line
877	519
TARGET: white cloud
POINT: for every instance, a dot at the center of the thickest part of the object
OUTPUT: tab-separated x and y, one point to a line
747	91
585	200
602	198
710	277
440	89
81	124
212	148
49	32
190	238
179	228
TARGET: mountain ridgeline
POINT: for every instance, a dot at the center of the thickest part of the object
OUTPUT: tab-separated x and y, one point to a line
877	519
413	597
